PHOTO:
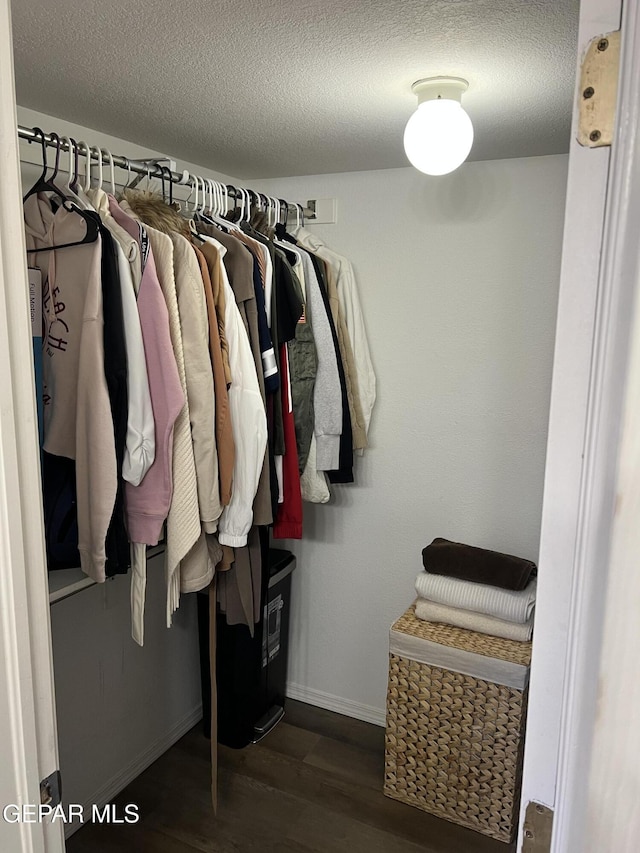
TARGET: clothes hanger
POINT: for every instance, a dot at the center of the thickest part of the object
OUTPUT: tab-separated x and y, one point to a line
284	210
209	208
196	186
204	214
78	186
268	212
196	207
112	178
165	174
215	197
283	214
139	177
87	170
255	201
128	184
72	188
192	185
215	208
98	153
128	162
225	200
207	199
44	185
163	190
283	239
198	203
170	179
232	219
67	186
232	214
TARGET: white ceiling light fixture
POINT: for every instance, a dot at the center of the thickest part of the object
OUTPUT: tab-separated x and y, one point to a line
439	135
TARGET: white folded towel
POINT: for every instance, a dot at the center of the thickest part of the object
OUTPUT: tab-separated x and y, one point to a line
490	600
431	612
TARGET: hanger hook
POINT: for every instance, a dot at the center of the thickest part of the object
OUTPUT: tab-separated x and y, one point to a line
81	148
98	154
43	142
187	199
196	184
54	136
205	200
170	179
87	171
76	164
165	174
109	157
203	195
237	195
164	193
215	186
66	142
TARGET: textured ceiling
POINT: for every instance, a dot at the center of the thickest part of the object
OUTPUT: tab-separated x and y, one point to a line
270	88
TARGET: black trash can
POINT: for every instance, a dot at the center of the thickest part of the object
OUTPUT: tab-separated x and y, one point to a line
251	672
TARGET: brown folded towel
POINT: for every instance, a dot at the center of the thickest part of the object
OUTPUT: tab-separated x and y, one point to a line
477	565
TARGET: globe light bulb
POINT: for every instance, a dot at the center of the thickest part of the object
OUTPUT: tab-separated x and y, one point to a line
439	135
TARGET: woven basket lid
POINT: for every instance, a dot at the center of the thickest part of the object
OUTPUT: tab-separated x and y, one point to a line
460	638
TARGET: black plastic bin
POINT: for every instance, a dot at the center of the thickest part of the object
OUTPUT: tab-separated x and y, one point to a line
251	672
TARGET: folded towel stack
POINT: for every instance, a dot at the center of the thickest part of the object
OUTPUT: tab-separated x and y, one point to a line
476	589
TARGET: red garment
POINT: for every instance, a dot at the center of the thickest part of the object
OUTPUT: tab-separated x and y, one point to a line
288	524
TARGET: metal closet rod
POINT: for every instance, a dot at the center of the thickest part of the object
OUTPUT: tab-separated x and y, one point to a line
143	167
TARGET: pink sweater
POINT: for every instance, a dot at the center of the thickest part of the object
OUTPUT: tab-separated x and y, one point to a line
148	504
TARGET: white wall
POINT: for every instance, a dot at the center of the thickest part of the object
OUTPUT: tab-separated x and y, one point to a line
120	706
458	277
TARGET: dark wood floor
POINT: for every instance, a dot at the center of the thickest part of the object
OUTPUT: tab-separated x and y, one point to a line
313	785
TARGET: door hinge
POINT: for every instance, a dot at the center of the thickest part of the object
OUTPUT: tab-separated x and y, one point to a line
538	823
598	95
51	790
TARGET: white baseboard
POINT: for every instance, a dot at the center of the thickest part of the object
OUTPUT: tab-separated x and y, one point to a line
106	793
320	699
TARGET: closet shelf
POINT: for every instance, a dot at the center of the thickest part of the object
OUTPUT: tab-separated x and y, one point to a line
66	582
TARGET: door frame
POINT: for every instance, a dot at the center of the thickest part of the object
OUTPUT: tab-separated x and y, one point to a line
29	747
594	328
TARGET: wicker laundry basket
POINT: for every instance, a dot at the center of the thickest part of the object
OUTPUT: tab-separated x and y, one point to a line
456	708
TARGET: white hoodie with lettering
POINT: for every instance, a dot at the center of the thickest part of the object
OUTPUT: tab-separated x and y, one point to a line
77	413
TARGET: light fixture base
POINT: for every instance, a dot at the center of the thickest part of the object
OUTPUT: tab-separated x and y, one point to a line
433	88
